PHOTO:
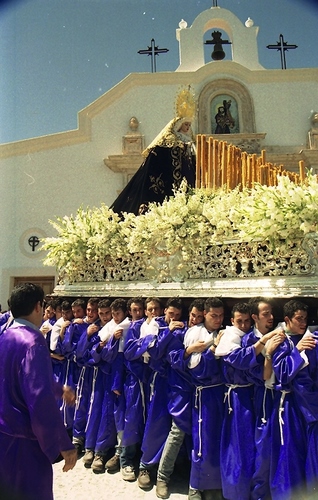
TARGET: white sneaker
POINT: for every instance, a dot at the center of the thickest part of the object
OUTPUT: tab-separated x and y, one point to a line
128	473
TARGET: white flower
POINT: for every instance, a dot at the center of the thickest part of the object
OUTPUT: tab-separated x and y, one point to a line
183	226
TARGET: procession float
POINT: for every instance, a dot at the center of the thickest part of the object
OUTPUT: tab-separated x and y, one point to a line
249	227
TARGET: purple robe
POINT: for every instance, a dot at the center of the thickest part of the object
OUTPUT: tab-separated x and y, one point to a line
288	426
67	347
204	375
305	386
180	384
155	390
86	381
6	320
137	373
208	411
238	432
32	434
105	414
263	406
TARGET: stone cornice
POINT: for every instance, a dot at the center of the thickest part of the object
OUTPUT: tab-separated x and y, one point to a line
124	163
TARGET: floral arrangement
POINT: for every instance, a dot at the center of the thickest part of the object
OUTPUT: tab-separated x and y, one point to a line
181	229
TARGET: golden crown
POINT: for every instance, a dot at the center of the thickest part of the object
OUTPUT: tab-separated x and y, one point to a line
185	104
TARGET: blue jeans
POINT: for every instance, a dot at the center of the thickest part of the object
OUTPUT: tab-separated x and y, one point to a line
127	456
170	452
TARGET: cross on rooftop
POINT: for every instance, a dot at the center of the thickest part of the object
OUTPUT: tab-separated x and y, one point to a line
282	46
153	51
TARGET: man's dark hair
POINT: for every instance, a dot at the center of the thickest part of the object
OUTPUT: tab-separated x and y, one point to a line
135	300
153	299
93	301
103	303
119	304
213	302
24	298
66	305
255	302
241	307
174	302
55	303
198	304
79	303
292	306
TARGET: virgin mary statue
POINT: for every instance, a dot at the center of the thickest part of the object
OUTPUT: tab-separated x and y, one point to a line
169	159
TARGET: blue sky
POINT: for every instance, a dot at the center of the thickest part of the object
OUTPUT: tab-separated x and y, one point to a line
58	56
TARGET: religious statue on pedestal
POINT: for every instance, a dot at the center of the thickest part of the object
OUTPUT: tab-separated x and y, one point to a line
313	132
224	119
169	159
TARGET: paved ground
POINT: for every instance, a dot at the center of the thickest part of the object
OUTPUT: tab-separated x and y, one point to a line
83	484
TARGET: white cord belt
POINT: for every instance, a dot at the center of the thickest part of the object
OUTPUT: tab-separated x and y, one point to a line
63	406
280	414
264	419
79	389
152	385
227	395
143	402
198	404
92	397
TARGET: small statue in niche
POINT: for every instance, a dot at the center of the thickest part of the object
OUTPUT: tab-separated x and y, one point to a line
313	132
224	119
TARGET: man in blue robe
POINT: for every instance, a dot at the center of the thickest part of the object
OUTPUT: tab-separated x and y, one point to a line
89	328
237	438
198	359
180	401
288	424
262	377
149	343
32	435
138	373
305	386
107	401
66	346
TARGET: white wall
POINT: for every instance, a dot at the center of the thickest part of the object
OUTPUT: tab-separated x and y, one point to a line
54	175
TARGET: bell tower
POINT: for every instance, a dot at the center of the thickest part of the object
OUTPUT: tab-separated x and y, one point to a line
243	39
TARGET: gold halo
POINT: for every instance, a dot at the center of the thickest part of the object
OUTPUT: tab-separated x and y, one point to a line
185	104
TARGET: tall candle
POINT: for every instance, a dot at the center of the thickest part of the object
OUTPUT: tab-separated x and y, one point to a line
224	162
210	162
215	165
302	174
198	162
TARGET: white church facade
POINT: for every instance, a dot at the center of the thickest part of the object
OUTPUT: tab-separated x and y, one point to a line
54	175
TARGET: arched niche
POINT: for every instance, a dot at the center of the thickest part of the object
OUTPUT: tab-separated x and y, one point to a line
230	90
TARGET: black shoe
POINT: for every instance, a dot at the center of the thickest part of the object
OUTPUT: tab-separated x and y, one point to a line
212	495
79	450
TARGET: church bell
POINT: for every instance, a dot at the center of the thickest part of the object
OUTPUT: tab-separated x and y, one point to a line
218	53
